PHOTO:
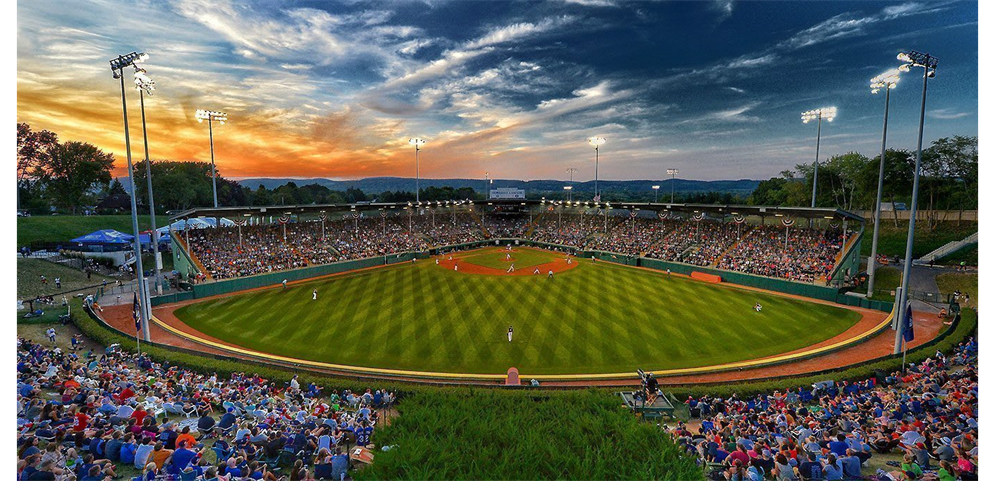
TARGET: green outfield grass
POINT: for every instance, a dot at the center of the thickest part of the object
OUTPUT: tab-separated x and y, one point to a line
594	318
521	258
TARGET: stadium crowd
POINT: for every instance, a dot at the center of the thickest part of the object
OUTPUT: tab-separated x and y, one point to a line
926	417
82	416
808	256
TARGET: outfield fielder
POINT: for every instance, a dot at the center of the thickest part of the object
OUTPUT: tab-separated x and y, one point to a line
284	283
511	330
314	295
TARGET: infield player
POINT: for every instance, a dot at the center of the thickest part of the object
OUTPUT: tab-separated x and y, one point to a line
511	331
536	272
507	256
550	275
456	267
436	261
511	269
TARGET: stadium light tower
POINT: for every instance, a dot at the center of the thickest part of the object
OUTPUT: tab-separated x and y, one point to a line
570	192
417	143
828	113
117	68
596	142
656	193
886	81
210	116
572	171
145	85
673	180
928	64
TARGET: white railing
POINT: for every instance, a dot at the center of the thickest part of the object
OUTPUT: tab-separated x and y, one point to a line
947	249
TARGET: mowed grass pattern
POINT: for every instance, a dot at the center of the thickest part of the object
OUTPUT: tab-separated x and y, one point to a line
521	258
596	318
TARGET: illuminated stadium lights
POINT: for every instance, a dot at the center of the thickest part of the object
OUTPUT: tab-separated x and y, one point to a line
596	142
117	70
673	180
569	189
928	64
656	191
417	143
918	59
127	60
886	81
146	85
211	116
828	113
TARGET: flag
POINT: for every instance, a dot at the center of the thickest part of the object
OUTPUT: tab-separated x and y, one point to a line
907	331
597	198
136	312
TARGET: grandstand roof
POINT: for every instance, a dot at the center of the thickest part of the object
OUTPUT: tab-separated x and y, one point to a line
714	210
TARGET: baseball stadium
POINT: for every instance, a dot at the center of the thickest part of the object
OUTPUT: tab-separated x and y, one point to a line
339	240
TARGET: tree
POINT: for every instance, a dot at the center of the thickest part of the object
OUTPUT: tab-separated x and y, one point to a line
844	174
184	185
959	158
73	170
33	149
116	188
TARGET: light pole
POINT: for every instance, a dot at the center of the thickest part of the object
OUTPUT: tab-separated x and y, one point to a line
887	81
210	116
570	190
145	85
928	64
117	68
828	113
673	180
571	171
417	143
487	186
656	193
596	142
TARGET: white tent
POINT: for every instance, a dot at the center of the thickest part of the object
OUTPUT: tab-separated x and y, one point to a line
195	223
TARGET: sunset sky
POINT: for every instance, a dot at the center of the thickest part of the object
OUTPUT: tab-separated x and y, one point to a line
336	88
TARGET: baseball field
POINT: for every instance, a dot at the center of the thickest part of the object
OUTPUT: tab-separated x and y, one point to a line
453	316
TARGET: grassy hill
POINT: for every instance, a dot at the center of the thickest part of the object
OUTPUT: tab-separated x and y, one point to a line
891	240
61	228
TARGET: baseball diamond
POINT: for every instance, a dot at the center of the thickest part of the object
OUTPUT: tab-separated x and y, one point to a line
595	318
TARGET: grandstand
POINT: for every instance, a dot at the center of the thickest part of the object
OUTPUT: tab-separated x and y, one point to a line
805	245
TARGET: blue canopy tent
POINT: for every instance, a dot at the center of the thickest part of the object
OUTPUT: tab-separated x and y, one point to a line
104	240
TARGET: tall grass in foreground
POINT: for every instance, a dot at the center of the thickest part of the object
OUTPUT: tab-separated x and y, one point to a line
489	434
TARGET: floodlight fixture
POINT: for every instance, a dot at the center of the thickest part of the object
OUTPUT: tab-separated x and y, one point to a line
212	116
127	60
824	113
887	80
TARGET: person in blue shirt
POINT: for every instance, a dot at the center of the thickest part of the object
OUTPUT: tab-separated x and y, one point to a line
851	464
839	446
340	465
363	433
831	468
127	450
183	456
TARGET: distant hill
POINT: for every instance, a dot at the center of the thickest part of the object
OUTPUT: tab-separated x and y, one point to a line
374	185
